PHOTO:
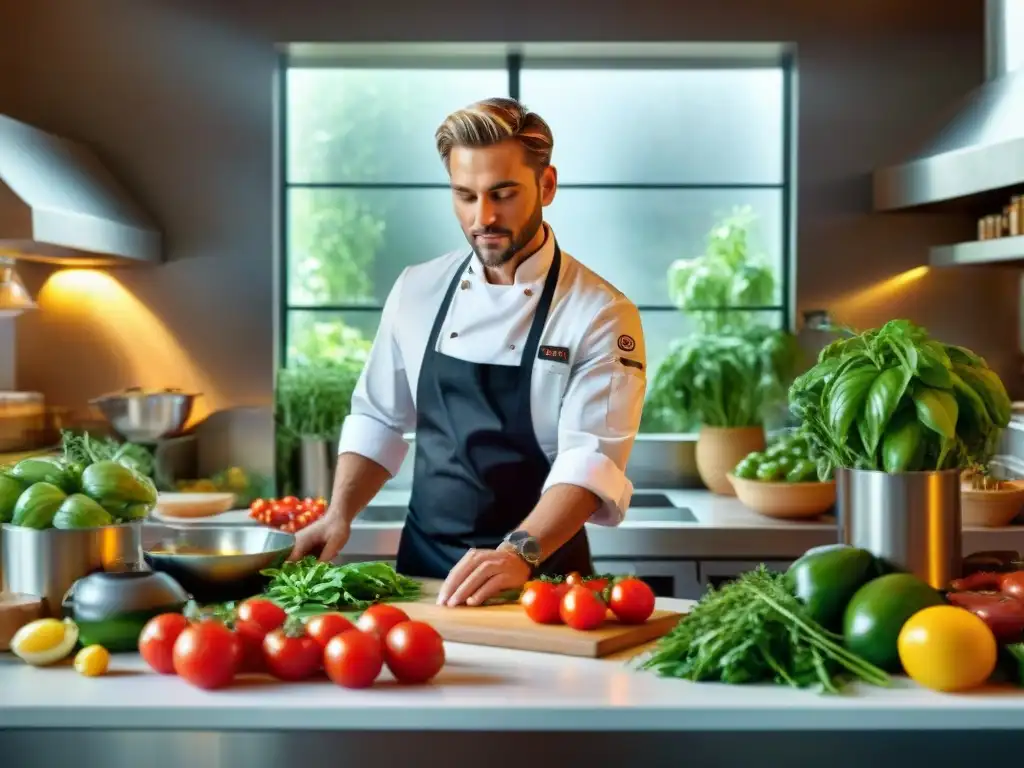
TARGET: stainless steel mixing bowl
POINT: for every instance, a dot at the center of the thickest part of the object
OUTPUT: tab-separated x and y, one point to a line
145	416
216	563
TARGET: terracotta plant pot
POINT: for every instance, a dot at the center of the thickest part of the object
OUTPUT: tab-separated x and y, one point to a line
720	449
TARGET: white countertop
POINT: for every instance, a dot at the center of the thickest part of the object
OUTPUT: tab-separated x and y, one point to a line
724	530
482	688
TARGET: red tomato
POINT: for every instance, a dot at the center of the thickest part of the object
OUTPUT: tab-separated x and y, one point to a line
541	602
206	655
380	618
582	609
1012	584
353	659
289	501
414	652
259	505
573	579
598	585
156	642
250	640
291	654
632	601
266	614
325	626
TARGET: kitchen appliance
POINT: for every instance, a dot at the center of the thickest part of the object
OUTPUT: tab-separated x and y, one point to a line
911	519
146	416
112	608
976	145
45	563
59	204
216	563
508	626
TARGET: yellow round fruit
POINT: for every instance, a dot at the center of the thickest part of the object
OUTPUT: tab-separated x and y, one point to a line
92	661
947	648
45	641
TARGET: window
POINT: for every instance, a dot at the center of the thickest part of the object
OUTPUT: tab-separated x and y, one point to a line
650	158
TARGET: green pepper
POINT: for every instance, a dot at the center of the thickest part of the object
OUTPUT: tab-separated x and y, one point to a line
769	472
804	471
797	451
746	469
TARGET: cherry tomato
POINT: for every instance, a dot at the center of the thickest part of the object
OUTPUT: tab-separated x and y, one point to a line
258	506
541	602
156	642
414	652
582	609
206	655
325	626
266	614
380	618
250	640
291	654
632	601
353	659
598	585
573	579
289	501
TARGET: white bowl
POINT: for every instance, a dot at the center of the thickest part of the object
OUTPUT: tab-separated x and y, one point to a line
193	504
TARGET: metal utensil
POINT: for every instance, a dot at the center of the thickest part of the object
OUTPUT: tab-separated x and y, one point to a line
216	563
141	416
45	563
111	609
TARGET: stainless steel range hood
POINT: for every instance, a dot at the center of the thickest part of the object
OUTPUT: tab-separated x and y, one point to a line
59	204
977	145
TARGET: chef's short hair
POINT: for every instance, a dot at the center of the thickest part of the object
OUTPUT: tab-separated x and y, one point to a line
491	121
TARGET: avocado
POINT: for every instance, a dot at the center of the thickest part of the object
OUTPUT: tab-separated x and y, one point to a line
825	578
878	611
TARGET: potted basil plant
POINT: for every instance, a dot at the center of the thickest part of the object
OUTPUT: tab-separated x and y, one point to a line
899	417
729	383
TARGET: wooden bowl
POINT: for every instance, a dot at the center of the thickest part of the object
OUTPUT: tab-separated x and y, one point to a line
193	504
991	509
785	501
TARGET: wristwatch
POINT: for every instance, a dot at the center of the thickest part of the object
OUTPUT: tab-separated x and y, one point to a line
524	545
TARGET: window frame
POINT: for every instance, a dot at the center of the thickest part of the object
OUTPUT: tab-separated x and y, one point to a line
513	65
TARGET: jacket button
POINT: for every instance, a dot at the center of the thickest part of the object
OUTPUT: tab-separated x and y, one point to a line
454	334
528	292
464	285
511	346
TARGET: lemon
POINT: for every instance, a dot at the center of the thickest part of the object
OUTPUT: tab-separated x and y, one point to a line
92	661
45	641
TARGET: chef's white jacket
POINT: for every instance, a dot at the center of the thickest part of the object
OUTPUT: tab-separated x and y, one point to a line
586	411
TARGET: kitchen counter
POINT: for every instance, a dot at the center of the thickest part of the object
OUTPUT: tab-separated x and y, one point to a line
723	529
492	692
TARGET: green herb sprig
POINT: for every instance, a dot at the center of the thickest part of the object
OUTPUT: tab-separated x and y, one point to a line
896	400
309	586
754	630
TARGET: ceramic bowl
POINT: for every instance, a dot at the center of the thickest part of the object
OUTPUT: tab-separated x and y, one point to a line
993	508
785	501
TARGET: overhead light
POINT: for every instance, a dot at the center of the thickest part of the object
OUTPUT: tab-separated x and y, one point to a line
14	297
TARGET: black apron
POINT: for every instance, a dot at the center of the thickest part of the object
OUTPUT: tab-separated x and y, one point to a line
478	468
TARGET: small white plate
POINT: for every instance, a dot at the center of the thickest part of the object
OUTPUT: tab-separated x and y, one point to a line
185	505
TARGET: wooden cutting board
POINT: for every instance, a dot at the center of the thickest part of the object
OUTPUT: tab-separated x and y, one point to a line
508	626
15	612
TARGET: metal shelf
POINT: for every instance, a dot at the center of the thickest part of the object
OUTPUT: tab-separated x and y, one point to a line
1002	250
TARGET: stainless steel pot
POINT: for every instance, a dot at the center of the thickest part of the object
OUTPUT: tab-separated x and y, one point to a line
911	520
145	416
45	563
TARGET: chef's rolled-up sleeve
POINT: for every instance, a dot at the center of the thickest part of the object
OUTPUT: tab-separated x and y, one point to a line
382	405
601	410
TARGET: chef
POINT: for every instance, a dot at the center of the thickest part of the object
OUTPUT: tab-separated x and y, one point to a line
521	372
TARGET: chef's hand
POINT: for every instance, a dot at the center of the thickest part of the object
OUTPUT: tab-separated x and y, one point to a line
328	536
480	575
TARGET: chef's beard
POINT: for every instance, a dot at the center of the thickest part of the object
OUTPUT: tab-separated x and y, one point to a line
517	241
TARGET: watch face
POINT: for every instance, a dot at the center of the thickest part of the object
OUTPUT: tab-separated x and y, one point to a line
531	548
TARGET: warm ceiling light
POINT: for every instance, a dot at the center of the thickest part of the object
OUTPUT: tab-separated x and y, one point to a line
14	297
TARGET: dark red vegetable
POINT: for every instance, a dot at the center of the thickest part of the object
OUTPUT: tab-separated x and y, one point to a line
1003	614
1012	584
982	580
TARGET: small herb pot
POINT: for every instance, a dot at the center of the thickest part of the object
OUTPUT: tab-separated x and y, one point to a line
720	449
